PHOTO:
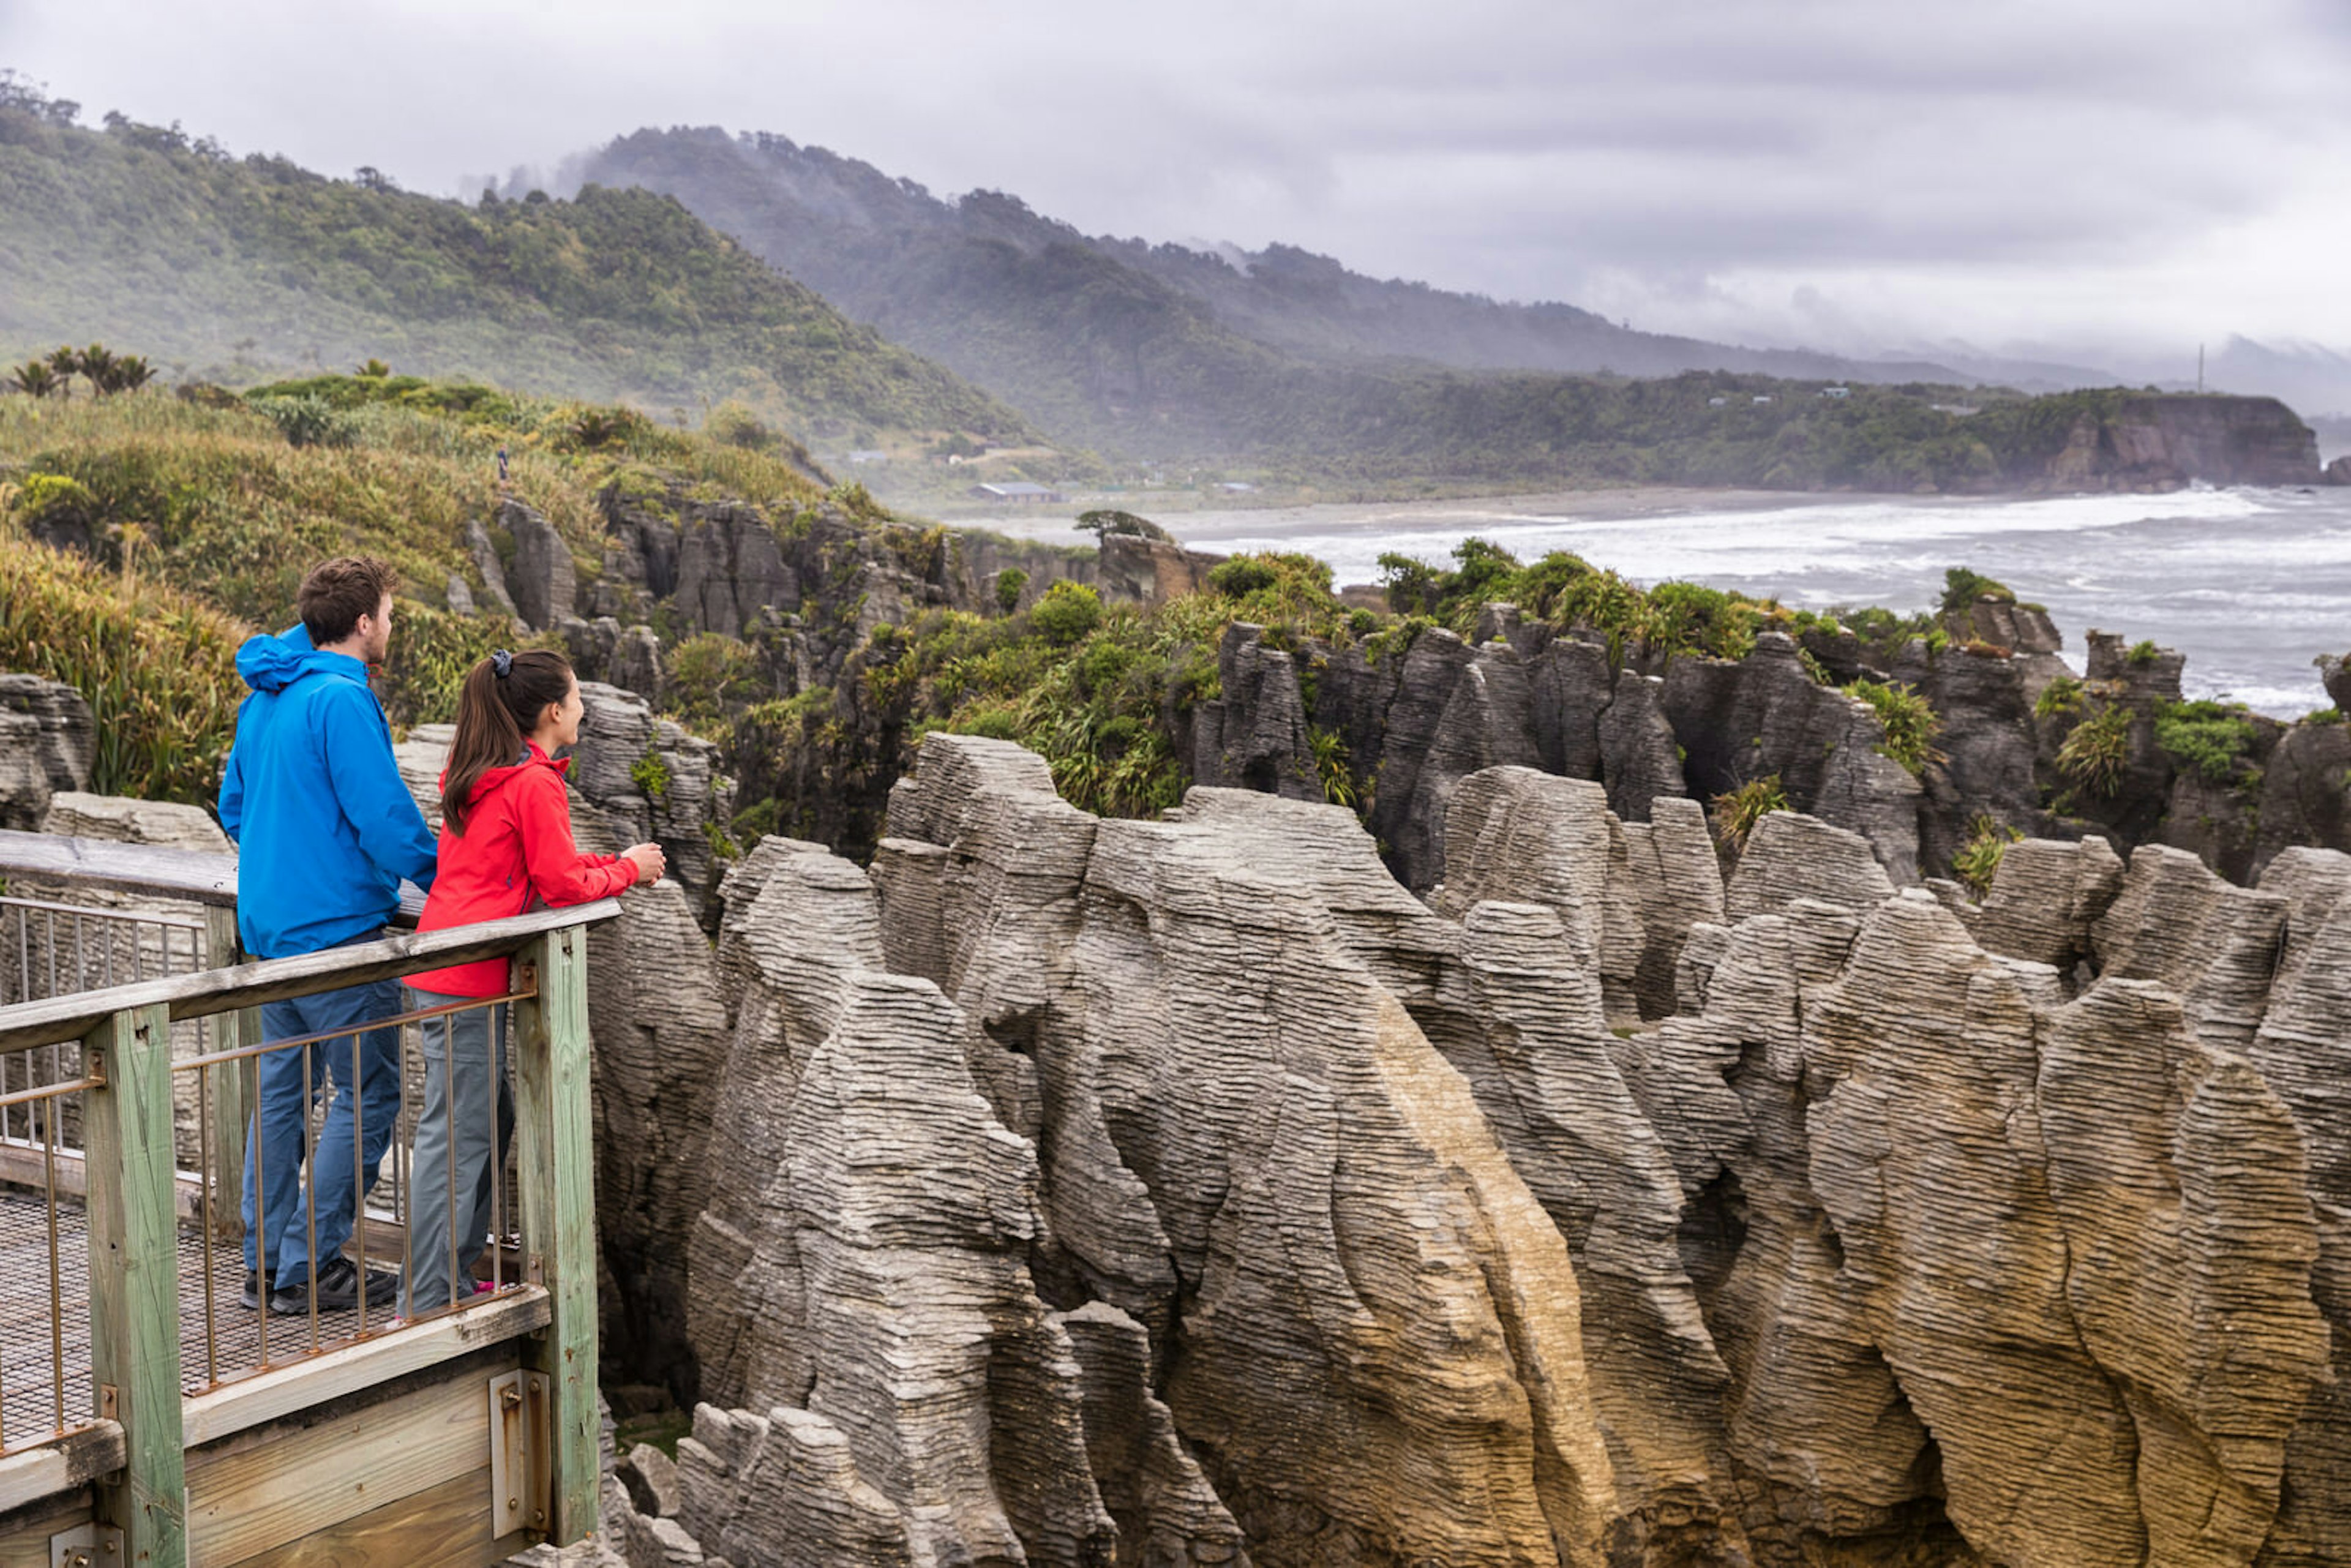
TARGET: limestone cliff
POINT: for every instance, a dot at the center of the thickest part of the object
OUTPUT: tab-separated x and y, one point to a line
1188	1192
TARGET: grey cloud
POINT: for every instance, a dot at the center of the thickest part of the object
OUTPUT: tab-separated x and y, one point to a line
1527	148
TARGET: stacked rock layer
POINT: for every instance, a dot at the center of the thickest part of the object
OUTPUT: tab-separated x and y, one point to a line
1083	1191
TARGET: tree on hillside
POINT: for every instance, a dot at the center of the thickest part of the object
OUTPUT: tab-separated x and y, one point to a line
1106	521
33	378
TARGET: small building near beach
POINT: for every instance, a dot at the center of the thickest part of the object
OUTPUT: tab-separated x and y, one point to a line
1016	493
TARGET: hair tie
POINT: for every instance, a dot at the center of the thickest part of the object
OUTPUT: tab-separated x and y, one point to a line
501	663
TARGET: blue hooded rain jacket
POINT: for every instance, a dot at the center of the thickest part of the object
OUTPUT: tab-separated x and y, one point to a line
325	829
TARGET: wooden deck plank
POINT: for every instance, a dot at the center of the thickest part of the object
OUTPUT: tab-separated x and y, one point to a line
59	1019
28	1476
447	1526
25	1536
288	1390
308	1477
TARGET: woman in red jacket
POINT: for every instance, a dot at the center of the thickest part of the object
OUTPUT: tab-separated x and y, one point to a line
506	844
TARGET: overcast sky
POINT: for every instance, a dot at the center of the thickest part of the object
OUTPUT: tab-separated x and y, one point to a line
1848	174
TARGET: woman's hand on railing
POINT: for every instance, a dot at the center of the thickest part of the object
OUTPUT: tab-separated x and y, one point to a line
650	862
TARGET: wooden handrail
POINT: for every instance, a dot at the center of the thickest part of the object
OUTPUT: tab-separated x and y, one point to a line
147	868
131	868
60	1019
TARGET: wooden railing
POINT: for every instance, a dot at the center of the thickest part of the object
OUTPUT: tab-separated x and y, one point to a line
145	1411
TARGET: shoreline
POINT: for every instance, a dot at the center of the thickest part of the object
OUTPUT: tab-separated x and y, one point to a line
1621	503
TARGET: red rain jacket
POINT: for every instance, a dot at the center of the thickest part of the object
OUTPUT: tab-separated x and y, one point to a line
517	848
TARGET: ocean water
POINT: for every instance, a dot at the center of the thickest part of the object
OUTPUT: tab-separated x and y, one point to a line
2249	584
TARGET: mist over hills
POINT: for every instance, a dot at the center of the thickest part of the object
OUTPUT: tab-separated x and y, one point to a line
954	277
1119	340
234	269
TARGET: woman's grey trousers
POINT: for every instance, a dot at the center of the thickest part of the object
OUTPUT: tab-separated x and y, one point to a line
461	1144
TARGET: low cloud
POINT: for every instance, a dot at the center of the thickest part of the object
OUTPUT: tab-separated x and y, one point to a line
1769	170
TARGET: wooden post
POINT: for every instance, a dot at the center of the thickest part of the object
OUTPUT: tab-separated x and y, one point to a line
230	1110
556	1183
134	1306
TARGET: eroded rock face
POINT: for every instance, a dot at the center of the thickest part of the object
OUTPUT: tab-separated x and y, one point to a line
1191	1193
64	737
657	782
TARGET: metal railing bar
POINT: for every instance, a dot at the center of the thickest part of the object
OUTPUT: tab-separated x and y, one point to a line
359	1176
126	916
310	1190
204	1164
56	1308
290	1042
68	1018
50	1091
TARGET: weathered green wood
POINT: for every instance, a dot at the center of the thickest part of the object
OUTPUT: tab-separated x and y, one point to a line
134	1310
57	1020
556	1182
227	1084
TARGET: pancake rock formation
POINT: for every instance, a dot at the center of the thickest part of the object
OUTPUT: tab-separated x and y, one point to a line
1085	1191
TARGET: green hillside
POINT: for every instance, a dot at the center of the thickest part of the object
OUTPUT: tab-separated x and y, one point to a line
235	269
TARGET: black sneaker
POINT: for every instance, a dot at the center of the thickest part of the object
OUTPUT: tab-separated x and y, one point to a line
339	1289
250	1297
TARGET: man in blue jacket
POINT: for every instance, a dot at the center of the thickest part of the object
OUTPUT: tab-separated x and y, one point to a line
325	830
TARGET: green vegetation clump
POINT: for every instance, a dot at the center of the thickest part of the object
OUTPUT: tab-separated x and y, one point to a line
1104	521
1736	811
1978	859
1008	584
2323	716
1909	722
1068	612
308	420
2207	738
709	676
2096	752
157	666
1964	589
1568	592
650	774
2143	653
2063	695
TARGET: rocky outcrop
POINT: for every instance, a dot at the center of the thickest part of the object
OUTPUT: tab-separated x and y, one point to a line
1278	1216
123	821
656	783
47	742
63	738
1135	570
541	580
2162	443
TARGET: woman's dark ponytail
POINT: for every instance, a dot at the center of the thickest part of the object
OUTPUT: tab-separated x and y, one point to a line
498	706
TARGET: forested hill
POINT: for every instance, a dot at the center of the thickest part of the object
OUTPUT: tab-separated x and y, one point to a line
234	269
1133	346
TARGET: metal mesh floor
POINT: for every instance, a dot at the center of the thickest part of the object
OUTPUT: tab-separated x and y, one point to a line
220	1339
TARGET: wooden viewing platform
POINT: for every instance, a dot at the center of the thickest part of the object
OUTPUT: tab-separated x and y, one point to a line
140	1423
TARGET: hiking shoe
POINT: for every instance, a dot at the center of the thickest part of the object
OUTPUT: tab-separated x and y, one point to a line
339	1289
250	1297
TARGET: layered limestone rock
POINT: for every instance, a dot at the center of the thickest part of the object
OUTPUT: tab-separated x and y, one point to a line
861	1271
1234	1109
1186	1191
657	783
47	740
64	736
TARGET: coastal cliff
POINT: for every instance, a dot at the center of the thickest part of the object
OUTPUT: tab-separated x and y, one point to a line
1089	1192
2161	443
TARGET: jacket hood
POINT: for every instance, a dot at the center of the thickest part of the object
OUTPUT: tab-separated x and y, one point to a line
493	778
271	664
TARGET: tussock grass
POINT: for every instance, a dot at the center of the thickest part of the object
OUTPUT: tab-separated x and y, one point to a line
158	667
